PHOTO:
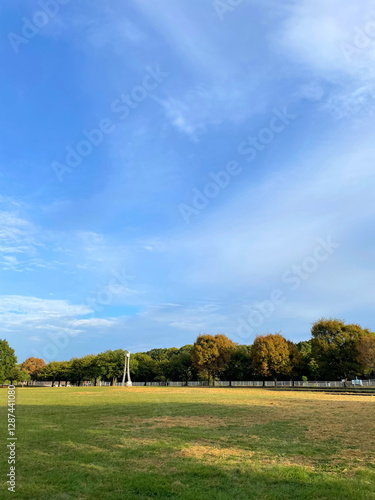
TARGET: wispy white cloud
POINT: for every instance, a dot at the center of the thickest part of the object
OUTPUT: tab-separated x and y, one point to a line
193	318
33	307
195	110
16	234
331	42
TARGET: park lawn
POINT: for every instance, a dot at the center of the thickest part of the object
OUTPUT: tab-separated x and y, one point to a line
191	443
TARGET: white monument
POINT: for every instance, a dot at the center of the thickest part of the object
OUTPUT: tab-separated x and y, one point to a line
127	371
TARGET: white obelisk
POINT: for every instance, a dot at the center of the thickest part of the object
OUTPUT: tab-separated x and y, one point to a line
129	382
123	377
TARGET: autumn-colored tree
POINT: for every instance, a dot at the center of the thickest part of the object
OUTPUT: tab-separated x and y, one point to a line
334	346
366	352
33	366
211	354
271	355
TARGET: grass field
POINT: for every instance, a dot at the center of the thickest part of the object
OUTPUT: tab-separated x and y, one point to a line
191	444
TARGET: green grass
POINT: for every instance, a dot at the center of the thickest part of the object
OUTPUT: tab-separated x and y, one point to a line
191	444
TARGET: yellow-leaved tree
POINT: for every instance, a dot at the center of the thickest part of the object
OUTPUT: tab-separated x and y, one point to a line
211	354
271	356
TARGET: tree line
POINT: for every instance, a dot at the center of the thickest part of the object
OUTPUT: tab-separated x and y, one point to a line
335	351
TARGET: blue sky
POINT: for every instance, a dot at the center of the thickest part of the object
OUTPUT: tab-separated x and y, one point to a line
174	168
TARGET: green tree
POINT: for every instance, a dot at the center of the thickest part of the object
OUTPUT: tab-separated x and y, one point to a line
17	375
271	356
111	364
63	371
295	360
334	346
162	354
24	376
143	367
49	371
161	367
239	366
56	371
309	365
8	360
84	369
181	367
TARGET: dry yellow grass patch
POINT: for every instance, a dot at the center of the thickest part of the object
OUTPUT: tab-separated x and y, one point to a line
197	421
291	461
129	442
84	447
213	454
165	422
98	468
231	456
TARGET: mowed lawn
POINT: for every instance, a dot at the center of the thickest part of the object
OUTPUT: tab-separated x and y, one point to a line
191	443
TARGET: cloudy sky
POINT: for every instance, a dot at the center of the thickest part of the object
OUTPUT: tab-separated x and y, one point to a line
175	167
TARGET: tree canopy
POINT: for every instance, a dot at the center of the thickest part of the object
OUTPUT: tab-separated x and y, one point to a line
271	355
33	366
8	360
334	346
366	352
211	354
